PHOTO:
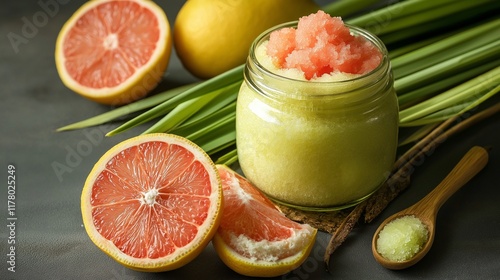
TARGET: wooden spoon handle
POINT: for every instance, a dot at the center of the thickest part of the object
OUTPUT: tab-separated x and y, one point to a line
471	163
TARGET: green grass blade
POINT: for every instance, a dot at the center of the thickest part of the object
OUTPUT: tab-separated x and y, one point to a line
441	70
402	50
418	134
470	89
457	109
191	128
424	30
398	10
220	142
125	110
181	112
228	120
425	16
221	136
216	83
218	103
346	8
228	158
445	49
427	91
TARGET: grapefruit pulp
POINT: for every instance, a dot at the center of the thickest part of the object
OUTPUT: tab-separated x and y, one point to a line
152	202
254	238
114	52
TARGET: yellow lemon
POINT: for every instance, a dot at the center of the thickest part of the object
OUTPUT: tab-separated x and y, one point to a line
213	36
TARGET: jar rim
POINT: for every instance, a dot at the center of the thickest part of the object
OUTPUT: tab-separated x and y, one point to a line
384	63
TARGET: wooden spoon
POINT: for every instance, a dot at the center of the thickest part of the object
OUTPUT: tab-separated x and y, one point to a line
427	208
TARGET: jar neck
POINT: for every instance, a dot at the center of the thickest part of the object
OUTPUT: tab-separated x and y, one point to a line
350	91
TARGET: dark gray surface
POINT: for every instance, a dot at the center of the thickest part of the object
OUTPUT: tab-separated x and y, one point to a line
51	242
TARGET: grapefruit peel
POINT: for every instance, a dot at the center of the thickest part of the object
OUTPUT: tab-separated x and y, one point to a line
259	258
182	255
131	87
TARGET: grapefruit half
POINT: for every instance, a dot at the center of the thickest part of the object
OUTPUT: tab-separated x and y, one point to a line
114	51
254	238
152	202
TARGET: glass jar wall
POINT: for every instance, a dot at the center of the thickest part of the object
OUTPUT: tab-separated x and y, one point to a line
316	145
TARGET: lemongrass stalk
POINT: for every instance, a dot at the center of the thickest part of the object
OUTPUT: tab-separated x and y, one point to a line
223	122
347	8
443	45
471	88
216	83
454	110
231	160
431	89
418	134
399	51
125	110
427	15
192	127
397	10
228	158
446	48
182	112
440	115
221	141
195	109
218	103
438	71
440	108
445	24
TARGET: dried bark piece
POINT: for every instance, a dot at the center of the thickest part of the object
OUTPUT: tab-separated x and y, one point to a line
388	192
323	221
343	231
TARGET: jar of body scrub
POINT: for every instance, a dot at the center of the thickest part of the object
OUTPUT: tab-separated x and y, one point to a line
321	144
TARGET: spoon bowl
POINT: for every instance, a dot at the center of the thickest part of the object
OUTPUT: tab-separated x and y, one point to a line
427	208
397	265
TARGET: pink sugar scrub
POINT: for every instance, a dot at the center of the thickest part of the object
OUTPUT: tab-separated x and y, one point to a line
321	45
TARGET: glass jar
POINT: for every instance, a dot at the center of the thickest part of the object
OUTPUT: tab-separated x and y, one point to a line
317	145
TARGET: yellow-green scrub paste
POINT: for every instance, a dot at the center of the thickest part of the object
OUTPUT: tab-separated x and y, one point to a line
402	238
317	115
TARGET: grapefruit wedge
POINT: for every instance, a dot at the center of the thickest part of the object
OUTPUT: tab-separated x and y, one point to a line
114	51
152	202
254	238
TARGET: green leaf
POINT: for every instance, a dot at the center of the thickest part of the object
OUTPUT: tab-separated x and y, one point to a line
216	83
449	67
128	109
422	93
182	112
191	128
446	49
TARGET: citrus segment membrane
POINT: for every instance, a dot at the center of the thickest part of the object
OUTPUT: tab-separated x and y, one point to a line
152	202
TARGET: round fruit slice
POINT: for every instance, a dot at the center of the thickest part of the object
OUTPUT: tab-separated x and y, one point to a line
152	202
114	51
254	237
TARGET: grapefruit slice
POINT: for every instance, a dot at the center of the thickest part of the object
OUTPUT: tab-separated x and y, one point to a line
254	238
152	202
114	51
